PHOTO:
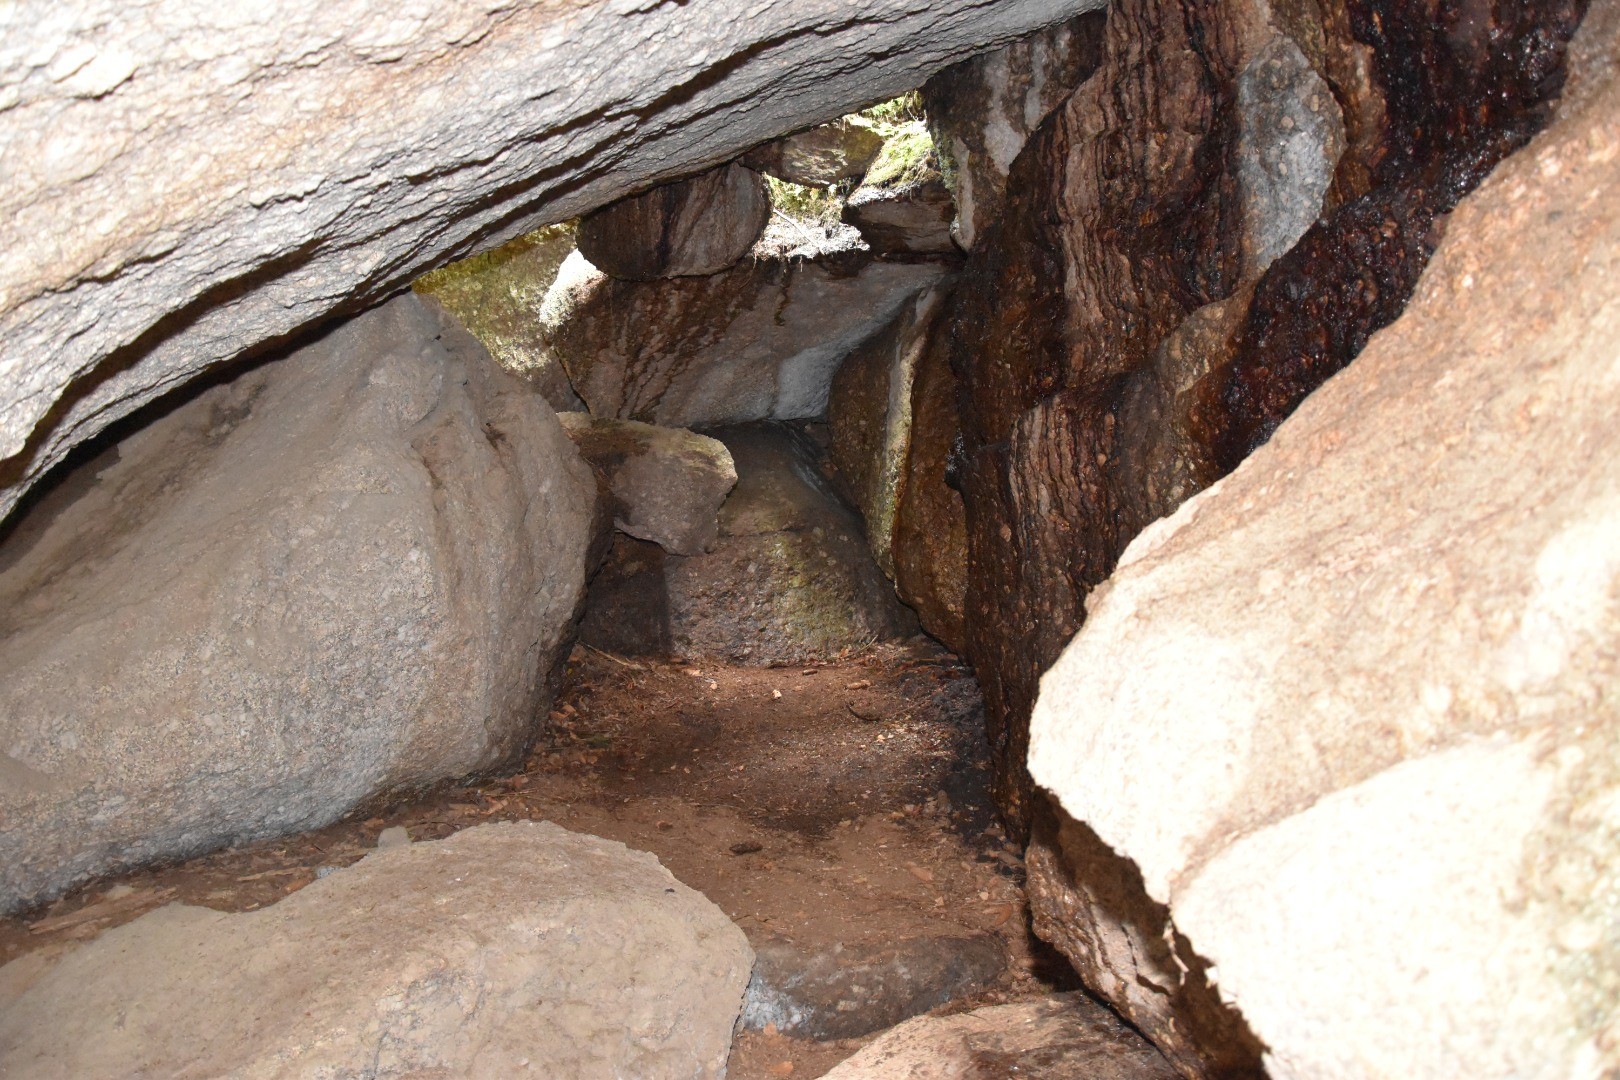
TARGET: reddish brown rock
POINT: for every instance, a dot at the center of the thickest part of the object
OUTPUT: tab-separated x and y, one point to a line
701	225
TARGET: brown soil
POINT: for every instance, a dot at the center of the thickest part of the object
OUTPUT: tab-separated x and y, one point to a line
840	801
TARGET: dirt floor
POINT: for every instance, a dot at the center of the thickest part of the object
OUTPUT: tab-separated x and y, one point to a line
827	804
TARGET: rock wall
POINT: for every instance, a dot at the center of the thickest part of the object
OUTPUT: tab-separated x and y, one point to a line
1350	711
190	180
340	573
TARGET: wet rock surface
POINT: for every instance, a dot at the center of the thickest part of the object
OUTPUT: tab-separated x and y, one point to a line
701	225
293	168
343	572
790	577
837	991
665	485
758	342
1334	806
439	958
1064	1037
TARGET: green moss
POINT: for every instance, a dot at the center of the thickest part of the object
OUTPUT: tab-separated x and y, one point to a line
497	294
908	158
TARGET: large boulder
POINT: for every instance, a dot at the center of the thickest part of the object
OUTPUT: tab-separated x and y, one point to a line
758	342
1063	1037
1351	711
294	164
505	950
981	112
666	485
700	225
340	573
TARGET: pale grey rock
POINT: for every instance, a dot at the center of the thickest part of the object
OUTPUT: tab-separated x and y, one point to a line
1062	1037
1291	135
190	180
821	157
758	342
701	225
666	484
981	112
506	950
340	573
1350	710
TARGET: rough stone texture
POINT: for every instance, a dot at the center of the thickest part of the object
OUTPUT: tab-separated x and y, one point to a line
498	296
791	577
189	180
665	484
1350	711
983	111
910	220
340	573
930	524
857	988
826	155
502	951
700	225
758	342
1063	1037
869	417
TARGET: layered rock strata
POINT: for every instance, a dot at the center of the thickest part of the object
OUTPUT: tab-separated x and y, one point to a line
191	181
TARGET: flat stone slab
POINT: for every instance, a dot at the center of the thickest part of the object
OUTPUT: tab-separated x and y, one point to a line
517	949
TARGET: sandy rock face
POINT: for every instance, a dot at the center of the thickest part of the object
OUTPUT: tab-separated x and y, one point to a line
1351	711
666	484
701	225
758	342
341	572
189	180
503	950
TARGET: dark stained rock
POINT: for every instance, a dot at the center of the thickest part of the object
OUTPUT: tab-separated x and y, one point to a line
830	154
758	342
701	225
1063	1037
982	111
664	484
1089	902
846	990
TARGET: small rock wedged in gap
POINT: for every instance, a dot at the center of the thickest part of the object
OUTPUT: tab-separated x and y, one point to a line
823	156
852	989
1063	1037
700	225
